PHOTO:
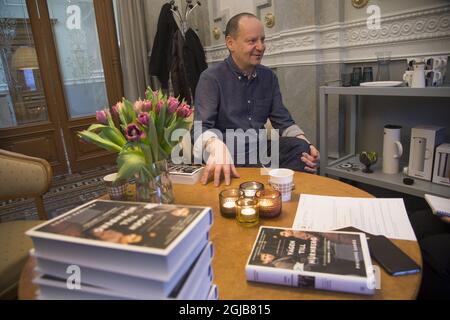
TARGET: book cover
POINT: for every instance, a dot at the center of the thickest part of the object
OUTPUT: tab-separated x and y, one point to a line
440	206
336	261
194	285
185	174
141	239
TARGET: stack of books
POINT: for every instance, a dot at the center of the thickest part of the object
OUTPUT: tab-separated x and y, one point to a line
124	250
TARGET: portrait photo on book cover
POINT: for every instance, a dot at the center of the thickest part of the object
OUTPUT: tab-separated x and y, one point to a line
125	223
183	169
324	252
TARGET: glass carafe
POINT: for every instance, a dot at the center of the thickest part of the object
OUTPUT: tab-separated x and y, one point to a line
383	60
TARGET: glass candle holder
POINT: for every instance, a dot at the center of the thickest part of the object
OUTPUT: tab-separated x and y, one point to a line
250	188
247	212
269	203
227	200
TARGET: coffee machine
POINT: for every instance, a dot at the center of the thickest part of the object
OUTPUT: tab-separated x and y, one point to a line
424	140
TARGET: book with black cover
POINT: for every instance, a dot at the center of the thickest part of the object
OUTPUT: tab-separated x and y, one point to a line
336	261
145	240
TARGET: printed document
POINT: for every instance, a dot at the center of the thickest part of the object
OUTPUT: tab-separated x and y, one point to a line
386	217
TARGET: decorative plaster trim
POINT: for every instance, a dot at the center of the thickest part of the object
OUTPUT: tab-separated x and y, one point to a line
97	77
407	34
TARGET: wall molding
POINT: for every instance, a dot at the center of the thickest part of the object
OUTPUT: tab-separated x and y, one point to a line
97	76
410	33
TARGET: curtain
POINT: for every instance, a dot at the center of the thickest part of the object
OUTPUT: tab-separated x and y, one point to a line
136	37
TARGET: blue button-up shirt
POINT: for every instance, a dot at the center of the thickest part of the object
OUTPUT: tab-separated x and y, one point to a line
226	98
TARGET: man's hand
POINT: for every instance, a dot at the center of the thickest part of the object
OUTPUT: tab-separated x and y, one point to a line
311	160
446	219
219	161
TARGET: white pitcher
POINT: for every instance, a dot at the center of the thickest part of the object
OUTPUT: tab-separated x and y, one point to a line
418	79
392	149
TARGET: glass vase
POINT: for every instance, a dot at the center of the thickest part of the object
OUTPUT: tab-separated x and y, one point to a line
155	188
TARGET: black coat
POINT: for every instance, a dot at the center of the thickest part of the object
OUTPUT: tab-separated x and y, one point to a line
161	51
194	59
182	60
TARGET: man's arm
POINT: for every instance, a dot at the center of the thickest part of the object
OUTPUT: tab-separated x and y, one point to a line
281	119
207	99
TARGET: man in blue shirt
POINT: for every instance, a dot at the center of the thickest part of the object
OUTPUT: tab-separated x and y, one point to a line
241	94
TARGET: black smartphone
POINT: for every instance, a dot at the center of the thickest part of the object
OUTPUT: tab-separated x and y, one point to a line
390	257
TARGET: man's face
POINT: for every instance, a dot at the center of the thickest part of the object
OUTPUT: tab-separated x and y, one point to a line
267	258
247	46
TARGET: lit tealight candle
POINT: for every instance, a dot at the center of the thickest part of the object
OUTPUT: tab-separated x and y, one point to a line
228	200
229	204
247	212
250	188
269	203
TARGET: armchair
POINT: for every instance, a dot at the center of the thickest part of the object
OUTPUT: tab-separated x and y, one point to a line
20	176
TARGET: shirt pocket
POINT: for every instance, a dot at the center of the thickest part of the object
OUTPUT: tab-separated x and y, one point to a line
262	109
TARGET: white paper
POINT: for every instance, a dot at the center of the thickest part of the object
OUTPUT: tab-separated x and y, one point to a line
386	217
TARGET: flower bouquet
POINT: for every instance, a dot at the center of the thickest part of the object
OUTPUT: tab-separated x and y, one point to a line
143	140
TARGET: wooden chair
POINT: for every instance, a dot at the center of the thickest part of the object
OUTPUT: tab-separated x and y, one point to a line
20	177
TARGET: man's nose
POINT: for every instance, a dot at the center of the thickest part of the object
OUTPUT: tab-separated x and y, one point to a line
260	46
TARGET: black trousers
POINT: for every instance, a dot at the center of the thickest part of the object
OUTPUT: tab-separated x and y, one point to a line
290	151
433	236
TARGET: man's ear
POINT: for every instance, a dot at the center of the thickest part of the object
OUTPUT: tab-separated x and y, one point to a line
229	41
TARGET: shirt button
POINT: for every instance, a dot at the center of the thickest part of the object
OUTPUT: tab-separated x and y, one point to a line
249	101
250	119
239	78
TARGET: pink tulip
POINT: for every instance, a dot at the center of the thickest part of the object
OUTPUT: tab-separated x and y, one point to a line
159	105
144	118
184	111
173	104
138	105
102	117
147	105
117	108
133	133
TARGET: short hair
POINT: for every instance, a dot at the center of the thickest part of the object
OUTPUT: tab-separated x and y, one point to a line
233	24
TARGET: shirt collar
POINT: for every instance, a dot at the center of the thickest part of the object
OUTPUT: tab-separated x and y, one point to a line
237	71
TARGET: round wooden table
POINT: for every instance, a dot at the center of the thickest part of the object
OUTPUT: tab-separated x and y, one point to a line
233	243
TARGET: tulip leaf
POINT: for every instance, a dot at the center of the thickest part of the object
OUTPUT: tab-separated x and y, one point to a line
99	141
130	162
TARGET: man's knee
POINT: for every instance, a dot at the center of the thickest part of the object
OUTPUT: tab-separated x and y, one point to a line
291	151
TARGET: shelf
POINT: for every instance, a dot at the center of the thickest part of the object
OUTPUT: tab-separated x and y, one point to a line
387	181
389	91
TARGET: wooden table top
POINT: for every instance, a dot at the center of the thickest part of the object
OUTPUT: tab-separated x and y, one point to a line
233	244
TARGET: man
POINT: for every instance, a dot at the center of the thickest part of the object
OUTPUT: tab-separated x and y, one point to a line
433	235
240	93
